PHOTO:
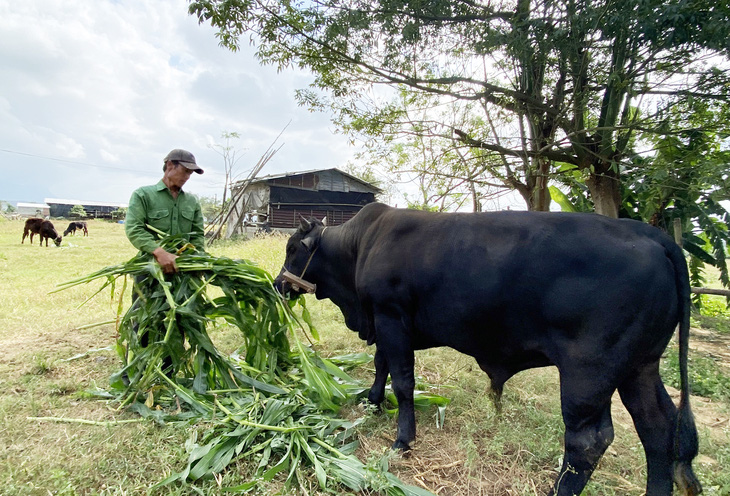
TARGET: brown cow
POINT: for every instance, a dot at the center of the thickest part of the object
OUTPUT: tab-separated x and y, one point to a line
32	226
49	232
44	228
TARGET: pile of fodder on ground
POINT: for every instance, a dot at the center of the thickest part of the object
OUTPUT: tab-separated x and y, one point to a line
274	401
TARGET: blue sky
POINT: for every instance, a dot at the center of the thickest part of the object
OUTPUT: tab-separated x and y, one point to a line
94	94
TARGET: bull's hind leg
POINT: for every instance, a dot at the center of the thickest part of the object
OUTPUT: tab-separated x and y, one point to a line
654	415
588	431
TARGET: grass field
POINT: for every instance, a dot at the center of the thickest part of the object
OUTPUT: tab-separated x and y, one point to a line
49	357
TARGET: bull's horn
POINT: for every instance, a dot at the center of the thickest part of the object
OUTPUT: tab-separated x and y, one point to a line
324	221
304	224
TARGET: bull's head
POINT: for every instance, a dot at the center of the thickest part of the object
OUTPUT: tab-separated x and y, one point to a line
300	259
57	241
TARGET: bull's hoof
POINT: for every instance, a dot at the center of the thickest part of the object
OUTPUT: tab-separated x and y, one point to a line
376	399
401	445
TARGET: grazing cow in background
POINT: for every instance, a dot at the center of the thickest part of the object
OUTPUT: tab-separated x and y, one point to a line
598	298
49	232
42	227
32	226
73	226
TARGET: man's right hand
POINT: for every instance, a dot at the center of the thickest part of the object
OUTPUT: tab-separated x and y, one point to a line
166	260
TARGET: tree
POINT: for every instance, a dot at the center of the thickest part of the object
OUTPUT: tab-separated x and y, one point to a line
210	206
683	183
229	160
119	213
77	211
538	85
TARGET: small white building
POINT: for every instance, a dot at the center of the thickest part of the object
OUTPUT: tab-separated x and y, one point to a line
33	209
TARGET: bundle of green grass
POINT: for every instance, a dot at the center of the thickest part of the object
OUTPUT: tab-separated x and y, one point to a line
274	400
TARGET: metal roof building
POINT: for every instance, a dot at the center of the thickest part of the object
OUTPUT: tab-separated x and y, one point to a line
62	207
277	201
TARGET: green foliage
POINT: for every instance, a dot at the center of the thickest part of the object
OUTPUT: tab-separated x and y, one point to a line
77	211
686	180
496	94
119	213
210	206
713	307
418	205
713	314
566	205
42	365
706	377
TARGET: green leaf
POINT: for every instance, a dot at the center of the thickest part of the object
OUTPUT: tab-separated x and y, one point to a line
561	199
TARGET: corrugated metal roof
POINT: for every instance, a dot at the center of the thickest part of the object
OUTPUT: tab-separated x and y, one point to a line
313	171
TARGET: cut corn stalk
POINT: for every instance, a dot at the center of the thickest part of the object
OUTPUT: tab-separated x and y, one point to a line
270	401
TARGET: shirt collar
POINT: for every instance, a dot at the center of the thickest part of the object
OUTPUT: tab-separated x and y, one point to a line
161	187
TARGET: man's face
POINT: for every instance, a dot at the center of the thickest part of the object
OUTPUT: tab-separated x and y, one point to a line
176	175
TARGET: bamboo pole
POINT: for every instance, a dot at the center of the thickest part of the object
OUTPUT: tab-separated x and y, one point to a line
711	291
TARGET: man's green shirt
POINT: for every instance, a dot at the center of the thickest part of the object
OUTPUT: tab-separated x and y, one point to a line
154	205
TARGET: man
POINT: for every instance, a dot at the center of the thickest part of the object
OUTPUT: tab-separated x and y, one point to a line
165	206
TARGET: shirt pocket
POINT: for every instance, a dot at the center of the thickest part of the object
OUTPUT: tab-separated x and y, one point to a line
187	216
160	219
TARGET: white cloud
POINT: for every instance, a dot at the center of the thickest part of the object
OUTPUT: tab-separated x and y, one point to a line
94	94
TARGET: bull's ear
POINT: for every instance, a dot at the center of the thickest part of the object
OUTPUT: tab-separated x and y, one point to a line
309	242
324	221
304	224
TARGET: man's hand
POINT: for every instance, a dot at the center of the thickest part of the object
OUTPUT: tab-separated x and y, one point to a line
166	260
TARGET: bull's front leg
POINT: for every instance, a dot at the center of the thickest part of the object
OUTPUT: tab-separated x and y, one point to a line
395	344
377	391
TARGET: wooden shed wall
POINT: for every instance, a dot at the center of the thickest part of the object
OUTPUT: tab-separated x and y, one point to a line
288	218
283	200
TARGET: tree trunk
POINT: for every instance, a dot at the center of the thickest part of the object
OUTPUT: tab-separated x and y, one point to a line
540	195
605	193
476	204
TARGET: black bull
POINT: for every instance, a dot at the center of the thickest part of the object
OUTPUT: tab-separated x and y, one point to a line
598	298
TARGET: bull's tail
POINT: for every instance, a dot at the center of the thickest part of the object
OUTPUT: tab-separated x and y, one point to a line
686	445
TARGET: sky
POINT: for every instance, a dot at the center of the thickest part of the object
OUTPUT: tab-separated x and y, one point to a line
93	94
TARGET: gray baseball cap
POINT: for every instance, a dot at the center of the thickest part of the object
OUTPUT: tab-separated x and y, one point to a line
185	158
